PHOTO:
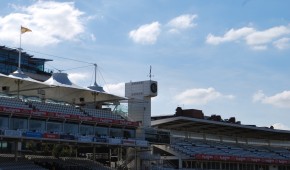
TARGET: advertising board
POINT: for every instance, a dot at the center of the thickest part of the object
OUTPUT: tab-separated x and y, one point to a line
33	134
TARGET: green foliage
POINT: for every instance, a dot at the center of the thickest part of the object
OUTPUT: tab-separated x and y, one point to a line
31	145
62	150
47	148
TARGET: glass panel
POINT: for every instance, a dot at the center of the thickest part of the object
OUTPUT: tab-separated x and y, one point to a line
37	125
86	130
18	123
101	131
71	128
4	123
114	132
54	127
129	133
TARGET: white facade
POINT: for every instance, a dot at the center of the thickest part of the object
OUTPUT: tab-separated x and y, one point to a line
139	105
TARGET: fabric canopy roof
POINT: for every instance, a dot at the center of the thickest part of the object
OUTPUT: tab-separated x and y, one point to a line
18	82
58	87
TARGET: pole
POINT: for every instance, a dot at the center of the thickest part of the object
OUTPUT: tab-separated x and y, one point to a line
94	153
19	62
150	72
19	58
18	87
95	73
95	94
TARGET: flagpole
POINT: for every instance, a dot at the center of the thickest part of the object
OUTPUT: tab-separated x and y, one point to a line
19	58
22	30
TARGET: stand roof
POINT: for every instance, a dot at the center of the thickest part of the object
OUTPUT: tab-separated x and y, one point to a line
58	87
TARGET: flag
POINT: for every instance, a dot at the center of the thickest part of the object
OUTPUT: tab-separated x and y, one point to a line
24	30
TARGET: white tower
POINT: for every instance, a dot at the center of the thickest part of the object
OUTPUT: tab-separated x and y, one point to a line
139	105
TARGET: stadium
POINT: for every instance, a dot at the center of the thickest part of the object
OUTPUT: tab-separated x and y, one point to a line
48	122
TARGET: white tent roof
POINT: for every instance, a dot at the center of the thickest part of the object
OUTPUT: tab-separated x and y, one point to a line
19	81
58	88
61	80
18	74
3	75
96	87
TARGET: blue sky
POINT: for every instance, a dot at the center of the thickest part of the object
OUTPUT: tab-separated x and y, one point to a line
224	57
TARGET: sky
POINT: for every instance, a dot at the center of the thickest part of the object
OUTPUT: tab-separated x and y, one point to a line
229	58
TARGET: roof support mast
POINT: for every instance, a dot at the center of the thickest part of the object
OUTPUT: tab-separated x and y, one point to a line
95	74
95	84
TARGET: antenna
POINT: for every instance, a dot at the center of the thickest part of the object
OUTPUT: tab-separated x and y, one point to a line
150	74
60	71
95	74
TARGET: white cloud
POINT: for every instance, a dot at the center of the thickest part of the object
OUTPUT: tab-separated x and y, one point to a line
93	37
95	17
281	100
117	89
200	96
231	35
258	96
282	43
51	22
259	47
78	78
146	34
266	36
182	22
257	40
280	126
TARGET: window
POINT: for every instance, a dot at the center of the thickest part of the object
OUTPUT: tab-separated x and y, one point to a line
71	128
3	145
86	130
129	133
37	125
4	124
18	123
114	132
101	131
54	127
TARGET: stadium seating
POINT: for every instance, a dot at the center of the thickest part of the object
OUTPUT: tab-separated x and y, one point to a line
13	102
192	147
67	163
57	108
101	113
7	162
6	101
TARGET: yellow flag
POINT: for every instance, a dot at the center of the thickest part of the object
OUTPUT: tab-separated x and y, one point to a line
24	30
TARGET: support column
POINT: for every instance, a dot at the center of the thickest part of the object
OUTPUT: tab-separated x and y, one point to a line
16	150
136	162
94	153
110	155
121	157
137	159
179	163
186	135
120	154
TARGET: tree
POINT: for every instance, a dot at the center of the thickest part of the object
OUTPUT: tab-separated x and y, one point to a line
61	150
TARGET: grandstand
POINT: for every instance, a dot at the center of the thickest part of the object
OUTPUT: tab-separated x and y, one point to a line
56	124
201	142
60	119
